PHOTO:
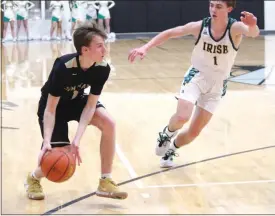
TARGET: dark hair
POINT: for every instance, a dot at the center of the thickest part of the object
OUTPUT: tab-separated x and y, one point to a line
229	3
84	34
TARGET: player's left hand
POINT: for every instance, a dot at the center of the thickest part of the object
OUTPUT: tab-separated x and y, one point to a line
76	154
248	18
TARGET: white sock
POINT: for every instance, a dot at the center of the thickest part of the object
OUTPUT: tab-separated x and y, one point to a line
173	146
106	175
169	133
33	175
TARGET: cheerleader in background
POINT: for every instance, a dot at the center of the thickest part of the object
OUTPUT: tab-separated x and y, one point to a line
56	7
22	16
9	8
78	13
104	13
66	17
91	12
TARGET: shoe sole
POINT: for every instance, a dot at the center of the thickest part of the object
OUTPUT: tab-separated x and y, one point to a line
34	198
26	186
120	196
166	166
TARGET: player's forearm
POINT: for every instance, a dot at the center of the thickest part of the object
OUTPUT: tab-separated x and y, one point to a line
253	31
49	121
157	40
85	119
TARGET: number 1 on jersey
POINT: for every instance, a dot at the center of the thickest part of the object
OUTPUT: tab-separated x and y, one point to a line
215	60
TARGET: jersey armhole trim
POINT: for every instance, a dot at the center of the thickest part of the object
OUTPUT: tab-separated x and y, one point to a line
230	38
199	36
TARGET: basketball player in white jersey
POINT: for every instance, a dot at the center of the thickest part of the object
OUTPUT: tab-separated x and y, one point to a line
217	41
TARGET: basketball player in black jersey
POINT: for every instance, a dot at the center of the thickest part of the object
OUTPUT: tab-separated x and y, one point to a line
63	100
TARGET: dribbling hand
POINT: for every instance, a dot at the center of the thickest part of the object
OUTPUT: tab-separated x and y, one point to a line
75	150
46	147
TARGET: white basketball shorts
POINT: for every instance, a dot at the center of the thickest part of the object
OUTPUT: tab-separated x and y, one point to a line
201	90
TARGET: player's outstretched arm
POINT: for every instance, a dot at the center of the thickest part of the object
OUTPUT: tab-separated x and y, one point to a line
192	28
247	26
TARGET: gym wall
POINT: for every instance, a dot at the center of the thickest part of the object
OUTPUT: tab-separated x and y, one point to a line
155	16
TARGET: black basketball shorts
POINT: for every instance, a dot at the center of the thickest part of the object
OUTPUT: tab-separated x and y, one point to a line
65	112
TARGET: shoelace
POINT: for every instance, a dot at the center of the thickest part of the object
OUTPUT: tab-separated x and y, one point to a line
163	137
112	182
36	186
170	153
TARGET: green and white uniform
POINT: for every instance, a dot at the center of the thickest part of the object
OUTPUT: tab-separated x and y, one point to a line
79	11
212	60
56	7
23	8
9	11
91	11
104	7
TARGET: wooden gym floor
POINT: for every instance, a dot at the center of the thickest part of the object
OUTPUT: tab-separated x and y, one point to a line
217	173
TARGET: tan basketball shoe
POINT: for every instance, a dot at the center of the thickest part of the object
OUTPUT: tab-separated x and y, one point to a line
34	188
108	188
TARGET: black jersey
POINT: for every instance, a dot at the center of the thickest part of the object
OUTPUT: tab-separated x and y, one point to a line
68	80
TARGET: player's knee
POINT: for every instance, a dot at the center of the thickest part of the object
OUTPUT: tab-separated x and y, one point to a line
108	125
182	118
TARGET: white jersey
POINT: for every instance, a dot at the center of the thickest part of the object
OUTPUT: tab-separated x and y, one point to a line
214	58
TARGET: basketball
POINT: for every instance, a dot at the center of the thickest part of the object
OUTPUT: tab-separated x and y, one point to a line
58	165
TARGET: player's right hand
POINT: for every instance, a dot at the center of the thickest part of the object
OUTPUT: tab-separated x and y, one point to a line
137	52
46	147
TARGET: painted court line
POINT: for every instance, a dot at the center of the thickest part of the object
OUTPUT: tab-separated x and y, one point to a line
128	166
58	208
210	184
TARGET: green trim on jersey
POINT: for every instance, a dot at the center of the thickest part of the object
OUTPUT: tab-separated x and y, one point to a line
190	75
193	71
224	87
204	21
231	21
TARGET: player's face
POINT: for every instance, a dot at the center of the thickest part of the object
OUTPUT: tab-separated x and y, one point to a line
219	9
97	50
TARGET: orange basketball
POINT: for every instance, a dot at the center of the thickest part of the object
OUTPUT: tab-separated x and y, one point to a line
58	165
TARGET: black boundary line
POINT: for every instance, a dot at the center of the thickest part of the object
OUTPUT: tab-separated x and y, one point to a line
12	128
154	173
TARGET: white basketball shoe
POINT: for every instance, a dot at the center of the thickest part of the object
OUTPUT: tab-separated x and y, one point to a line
164	141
